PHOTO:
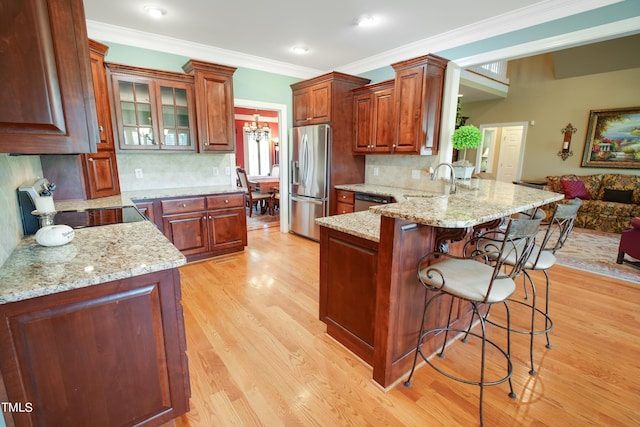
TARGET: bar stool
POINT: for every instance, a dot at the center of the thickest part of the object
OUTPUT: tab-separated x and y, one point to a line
543	258
480	277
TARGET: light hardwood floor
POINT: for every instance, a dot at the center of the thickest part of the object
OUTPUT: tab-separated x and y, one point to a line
259	355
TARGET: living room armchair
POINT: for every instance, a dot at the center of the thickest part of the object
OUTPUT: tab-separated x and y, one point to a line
630	243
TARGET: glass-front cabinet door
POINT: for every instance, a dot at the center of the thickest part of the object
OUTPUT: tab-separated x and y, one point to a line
154	114
177	127
137	115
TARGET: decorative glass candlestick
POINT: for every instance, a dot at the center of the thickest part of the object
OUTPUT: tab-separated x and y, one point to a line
45	218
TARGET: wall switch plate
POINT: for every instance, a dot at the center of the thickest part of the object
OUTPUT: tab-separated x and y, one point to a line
215	171
415	174
139	173
227	170
375	171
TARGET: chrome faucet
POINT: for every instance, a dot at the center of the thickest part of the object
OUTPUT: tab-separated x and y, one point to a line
434	175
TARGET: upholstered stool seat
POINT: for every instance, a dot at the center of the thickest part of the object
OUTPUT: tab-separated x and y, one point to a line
630	243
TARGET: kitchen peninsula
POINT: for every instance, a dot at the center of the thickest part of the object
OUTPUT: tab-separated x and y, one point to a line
370	299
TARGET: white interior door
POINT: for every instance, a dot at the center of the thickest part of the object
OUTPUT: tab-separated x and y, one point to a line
510	153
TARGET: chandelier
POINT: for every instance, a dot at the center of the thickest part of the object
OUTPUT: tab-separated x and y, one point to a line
256	130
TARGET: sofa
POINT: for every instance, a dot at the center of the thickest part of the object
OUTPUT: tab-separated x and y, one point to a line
609	200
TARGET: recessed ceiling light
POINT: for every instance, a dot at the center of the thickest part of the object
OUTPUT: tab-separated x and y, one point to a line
300	50
365	21
155	12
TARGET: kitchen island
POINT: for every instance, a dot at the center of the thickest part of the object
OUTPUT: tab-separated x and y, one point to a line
370	298
92	331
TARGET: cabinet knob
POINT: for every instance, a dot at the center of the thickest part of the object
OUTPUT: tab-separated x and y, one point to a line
210	217
90	159
184	205
226	200
101	128
204	217
344	197
206	143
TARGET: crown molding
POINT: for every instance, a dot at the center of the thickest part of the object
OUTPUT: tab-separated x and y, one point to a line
129	37
622	28
525	17
538	13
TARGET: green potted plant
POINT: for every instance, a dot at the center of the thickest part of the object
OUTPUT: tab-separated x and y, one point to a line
465	137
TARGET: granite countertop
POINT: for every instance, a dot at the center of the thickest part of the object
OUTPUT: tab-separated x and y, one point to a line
96	255
127	197
434	189
475	202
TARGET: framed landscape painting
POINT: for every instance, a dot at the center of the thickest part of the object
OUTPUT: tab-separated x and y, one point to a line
613	139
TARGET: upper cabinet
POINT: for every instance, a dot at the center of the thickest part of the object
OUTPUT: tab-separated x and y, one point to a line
46	96
97	52
419	85
312	103
154	110
214	105
373	108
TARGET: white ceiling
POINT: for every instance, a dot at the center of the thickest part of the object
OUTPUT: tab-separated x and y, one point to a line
245	32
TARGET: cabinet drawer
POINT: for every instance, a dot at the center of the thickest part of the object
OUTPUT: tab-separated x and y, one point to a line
343	208
193	204
345	196
225	201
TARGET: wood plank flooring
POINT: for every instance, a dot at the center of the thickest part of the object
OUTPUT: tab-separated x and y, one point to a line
259	356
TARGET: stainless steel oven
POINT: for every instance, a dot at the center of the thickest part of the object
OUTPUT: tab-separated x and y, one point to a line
364	200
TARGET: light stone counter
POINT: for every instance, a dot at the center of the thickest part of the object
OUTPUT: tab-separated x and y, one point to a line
475	202
96	255
125	199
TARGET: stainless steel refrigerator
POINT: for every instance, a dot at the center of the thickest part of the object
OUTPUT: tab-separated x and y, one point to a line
309	178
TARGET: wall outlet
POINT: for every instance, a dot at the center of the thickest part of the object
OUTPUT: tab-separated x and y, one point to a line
415	174
375	171
227	170
215	171
139	173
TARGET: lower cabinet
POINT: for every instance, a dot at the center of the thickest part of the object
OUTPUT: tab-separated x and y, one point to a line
104	355
345	201
206	226
348	275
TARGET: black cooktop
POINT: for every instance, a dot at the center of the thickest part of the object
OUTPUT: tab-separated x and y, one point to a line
100	216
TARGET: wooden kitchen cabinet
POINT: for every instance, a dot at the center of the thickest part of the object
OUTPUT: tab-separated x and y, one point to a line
312	103
89	176
154	110
214	105
103	355
206	226
419	85
346	201
348	275
373	109
46	96
335	90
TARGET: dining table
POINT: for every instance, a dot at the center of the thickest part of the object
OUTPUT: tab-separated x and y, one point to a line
264	184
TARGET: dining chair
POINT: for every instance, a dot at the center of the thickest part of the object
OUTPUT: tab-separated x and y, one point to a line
253	198
481	277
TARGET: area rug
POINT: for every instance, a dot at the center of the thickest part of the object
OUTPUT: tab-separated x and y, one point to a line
596	252
258	221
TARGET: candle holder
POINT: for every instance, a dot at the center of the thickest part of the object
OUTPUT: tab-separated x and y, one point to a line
45	218
566	151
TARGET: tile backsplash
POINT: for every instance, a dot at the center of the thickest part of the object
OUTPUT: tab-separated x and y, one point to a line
400	171
142	171
14	172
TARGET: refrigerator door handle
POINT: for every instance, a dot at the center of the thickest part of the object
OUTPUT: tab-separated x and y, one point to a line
295	172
